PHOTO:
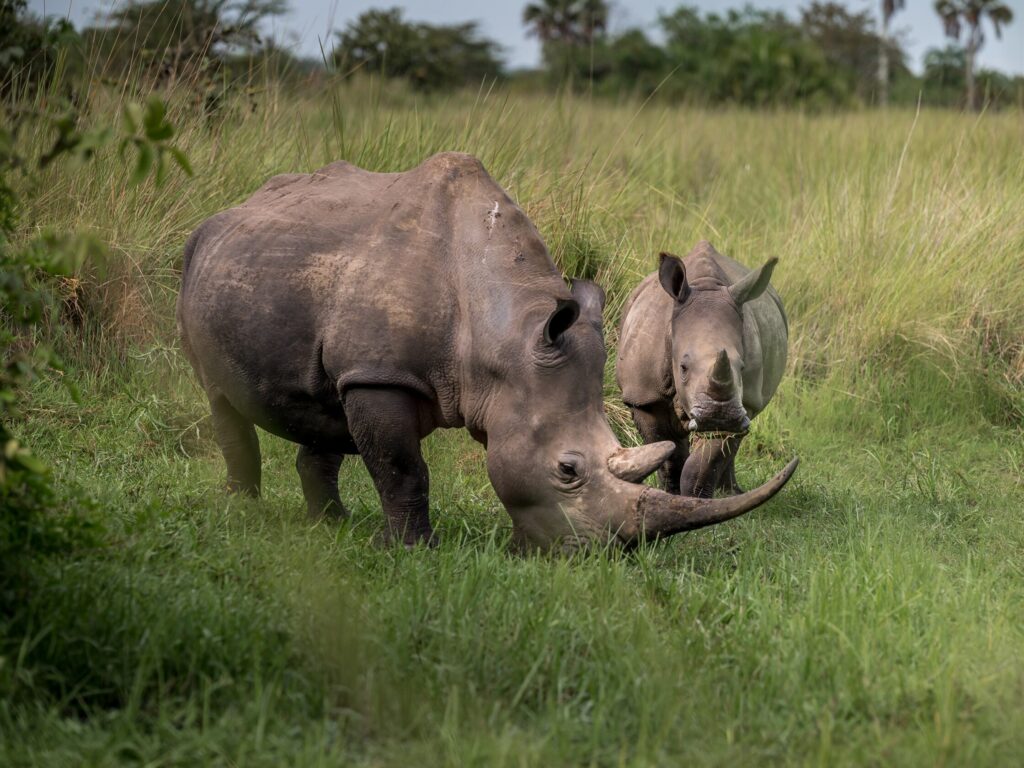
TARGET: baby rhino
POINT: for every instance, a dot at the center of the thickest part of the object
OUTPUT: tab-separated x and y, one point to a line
701	351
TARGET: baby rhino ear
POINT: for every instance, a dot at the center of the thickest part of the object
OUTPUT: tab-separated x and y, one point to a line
672	275
591	300
753	284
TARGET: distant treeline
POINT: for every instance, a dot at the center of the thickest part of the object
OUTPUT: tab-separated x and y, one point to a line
829	56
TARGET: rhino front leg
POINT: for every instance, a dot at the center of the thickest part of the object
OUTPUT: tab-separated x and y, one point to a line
385	425
318	471
656	422
728	484
709	464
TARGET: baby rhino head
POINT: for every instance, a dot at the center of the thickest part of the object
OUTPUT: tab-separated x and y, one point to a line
707	344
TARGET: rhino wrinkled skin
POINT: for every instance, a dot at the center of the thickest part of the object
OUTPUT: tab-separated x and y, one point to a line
354	312
702	349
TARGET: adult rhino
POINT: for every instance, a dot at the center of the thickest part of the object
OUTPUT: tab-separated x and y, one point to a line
354	313
702	349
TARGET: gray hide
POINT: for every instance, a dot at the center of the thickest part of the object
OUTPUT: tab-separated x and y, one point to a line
355	312
702	349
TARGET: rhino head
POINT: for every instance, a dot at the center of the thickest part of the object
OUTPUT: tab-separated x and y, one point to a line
554	461
707	345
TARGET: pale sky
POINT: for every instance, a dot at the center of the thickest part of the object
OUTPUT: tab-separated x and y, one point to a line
311	21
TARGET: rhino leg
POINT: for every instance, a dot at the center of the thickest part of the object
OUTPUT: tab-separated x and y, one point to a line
710	465
318	471
727	483
655	423
702	469
237	439
385	425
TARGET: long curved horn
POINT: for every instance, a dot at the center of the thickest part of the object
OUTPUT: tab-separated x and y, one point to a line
721	386
660	514
634	464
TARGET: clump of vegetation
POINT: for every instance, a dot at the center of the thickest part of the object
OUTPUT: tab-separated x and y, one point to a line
40	524
428	56
829	56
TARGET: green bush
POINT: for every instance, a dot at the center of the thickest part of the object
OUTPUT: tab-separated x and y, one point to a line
38	523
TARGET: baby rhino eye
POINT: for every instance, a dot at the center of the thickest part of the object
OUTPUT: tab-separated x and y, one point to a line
567	469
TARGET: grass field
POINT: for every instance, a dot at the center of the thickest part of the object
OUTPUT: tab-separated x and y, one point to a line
872	614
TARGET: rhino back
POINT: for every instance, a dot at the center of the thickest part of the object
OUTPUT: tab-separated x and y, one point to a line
344	277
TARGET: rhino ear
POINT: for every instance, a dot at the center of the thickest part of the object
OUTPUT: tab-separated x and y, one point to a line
591	299
672	275
752	285
561	320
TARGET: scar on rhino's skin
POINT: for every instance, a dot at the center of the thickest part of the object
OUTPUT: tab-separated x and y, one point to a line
492	218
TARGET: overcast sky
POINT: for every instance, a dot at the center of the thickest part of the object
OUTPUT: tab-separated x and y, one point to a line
313	20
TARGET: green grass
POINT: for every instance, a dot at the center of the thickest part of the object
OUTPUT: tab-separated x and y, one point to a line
870	614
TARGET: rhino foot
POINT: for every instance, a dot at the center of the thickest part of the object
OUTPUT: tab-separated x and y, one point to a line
387	538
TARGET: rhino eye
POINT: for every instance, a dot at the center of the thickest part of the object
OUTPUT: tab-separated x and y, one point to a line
570	471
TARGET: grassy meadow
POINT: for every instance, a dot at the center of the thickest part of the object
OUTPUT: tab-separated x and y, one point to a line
872	614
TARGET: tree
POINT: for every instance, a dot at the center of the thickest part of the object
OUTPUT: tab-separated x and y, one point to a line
956	14
565	27
749	57
889	8
942	83
30	47
851	45
639	64
428	56
576	22
182	37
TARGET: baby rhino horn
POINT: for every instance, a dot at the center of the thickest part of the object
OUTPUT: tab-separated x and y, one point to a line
634	464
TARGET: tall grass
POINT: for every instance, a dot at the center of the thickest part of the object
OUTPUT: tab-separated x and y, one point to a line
871	614
899	234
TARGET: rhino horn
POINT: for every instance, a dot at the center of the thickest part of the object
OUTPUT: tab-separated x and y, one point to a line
659	514
721	386
752	285
634	464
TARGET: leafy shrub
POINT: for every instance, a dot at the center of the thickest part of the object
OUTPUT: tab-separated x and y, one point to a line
36	521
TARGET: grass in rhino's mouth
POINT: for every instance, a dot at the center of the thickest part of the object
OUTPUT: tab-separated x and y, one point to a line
718	434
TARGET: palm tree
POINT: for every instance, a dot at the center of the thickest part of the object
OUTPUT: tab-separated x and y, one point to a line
889	8
593	15
958	13
577	22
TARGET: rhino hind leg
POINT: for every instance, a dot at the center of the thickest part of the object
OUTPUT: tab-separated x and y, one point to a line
239	444
656	423
385	425
318	471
